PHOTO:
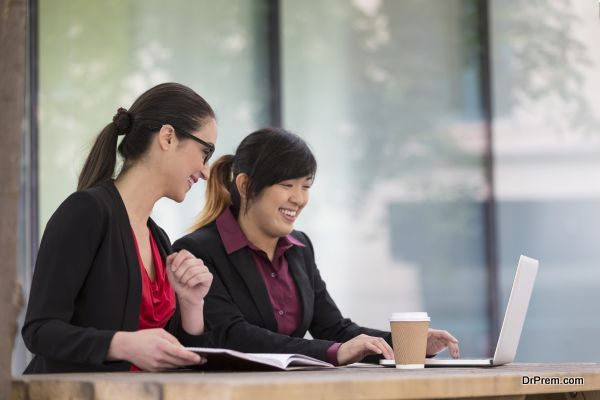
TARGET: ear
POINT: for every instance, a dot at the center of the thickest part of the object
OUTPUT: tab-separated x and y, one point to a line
241	183
166	136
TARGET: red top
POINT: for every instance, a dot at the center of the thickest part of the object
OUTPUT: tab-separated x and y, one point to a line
158	298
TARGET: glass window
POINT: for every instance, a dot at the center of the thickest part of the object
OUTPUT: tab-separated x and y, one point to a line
546	60
97	56
392	111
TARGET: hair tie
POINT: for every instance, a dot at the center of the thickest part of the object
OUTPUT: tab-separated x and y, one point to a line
122	121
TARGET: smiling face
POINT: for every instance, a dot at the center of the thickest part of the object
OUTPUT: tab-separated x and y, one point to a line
186	162
275	210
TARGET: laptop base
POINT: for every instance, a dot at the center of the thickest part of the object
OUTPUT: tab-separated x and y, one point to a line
459	362
446	363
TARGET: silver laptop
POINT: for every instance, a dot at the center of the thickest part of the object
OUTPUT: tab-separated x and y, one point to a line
510	333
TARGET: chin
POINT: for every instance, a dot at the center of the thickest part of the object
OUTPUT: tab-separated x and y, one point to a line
285	232
176	197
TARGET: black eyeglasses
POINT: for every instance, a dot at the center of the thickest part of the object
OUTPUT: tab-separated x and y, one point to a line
210	148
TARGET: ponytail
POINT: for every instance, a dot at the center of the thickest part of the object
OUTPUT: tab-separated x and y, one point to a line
218	196
101	161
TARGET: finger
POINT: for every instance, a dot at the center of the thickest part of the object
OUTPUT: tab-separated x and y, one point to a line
170	259
446	335
443	335
181	256
187	263
184	267
186	254
380	344
453	350
191	268
388	352
171	361
176	261
189	274
181	355
436	344
373	348
202	278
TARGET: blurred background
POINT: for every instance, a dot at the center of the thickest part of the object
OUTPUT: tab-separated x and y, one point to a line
451	137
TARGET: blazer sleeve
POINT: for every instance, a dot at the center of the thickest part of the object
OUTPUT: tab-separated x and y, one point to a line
228	326
328	322
70	241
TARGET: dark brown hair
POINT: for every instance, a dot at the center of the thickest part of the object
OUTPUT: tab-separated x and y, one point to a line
167	103
267	156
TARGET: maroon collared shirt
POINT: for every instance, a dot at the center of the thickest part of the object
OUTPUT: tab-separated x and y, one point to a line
280	285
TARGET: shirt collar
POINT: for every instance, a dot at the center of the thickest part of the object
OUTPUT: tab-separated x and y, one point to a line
234	239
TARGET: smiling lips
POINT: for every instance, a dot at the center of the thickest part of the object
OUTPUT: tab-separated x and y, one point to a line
289	215
191	180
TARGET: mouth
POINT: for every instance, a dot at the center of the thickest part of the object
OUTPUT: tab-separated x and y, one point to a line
289	215
191	180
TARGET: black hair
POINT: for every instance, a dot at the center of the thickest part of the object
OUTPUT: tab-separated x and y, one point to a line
267	156
167	103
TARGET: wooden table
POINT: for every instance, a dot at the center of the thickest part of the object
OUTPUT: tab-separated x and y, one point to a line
340	383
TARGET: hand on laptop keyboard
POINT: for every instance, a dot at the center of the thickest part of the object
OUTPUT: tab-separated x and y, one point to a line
438	340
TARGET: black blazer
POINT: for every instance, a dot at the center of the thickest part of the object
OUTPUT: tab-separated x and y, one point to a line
238	311
87	285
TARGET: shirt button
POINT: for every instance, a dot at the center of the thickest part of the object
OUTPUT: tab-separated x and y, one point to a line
281	312
273	275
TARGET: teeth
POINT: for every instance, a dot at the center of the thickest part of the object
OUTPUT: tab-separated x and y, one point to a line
288	212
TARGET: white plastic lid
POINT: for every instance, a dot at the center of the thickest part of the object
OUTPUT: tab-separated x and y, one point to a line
410	316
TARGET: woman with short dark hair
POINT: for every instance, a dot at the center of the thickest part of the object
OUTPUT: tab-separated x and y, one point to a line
267	291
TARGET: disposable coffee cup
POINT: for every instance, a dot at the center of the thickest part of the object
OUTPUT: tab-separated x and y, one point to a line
409	337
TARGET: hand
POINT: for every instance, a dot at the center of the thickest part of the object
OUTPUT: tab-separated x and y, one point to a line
151	350
361	346
189	277
438	340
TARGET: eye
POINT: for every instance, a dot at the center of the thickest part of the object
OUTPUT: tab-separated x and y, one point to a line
287	185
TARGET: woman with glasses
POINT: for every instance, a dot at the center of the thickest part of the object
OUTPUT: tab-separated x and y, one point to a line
108	292
267	291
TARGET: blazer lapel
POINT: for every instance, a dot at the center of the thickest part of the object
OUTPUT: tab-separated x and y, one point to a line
131	314
295	261
162	240
245	266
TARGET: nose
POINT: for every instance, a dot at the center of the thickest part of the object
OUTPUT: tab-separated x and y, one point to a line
297	196
205	172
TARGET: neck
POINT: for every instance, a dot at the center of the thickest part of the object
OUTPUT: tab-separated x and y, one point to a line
138	196
256	236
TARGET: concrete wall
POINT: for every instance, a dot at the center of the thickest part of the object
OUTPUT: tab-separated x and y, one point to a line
12	92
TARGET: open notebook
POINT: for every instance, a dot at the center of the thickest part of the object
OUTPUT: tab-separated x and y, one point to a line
224	359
